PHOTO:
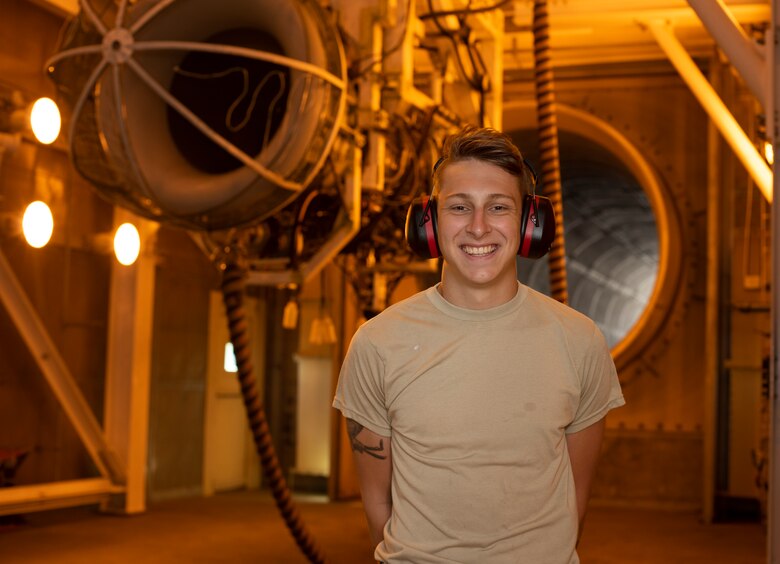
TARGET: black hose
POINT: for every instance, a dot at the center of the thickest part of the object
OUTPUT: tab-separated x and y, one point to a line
233	296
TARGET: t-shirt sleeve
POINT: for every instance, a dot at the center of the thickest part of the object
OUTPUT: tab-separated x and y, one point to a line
600	388
360	391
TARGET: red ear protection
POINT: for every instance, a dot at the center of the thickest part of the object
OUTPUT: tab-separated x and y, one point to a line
537	227
421	228
537	223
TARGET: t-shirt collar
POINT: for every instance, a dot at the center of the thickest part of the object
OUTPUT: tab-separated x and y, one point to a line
467	314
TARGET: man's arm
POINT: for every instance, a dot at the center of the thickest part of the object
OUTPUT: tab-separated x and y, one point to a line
584	447
374	467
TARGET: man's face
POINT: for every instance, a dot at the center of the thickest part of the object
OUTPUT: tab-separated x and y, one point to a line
479	207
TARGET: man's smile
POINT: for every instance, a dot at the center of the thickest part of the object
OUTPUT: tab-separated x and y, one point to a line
479	251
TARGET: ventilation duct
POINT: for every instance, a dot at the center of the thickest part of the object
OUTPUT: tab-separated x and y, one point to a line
203	114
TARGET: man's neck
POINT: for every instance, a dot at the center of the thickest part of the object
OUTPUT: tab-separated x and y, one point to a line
477	297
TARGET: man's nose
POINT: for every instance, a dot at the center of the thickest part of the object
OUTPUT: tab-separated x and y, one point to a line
478	224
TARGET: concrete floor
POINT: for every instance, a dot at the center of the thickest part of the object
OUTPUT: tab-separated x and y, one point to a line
244	527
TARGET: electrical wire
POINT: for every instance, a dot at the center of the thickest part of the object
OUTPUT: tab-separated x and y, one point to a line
383	55
476	77
244	91
464	11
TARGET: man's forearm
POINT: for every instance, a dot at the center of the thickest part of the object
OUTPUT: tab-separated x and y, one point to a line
373	461
377	515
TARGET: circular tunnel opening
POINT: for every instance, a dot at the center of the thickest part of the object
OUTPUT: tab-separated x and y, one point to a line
612	244
242	99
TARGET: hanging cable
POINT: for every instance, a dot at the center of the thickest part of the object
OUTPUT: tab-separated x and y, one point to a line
475	78
465	11
233	295
548	146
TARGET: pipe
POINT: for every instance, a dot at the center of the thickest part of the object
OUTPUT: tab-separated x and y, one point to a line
548	146
773	497
741	50
263	273
714	106
712	329
773	502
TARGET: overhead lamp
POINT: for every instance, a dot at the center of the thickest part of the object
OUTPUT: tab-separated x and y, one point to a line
290	314
322	331
37	224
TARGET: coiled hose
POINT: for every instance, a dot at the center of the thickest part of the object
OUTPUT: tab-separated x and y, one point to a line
548	146
233	296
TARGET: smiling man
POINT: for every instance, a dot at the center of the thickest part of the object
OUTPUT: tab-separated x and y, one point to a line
476	408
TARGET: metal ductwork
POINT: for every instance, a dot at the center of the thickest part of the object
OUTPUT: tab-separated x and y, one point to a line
200	114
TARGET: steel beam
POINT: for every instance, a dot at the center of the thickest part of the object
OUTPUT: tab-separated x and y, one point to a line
54	369
55	495
746	56
128	363
739	142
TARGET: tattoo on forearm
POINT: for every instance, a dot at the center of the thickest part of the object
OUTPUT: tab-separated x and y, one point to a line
353	429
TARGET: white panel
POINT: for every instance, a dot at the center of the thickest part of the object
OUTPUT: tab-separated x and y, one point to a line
312	450
228	449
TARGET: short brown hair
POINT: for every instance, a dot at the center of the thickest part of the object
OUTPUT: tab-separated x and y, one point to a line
488	145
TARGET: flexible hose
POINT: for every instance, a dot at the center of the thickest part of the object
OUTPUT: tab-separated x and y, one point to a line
233	296
548	146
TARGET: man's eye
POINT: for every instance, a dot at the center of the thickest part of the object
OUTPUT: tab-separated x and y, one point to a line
458	208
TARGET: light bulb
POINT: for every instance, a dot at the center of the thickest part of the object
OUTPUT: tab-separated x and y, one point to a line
230	364
45	120
290	315
769	152
322	331
37	224
127	244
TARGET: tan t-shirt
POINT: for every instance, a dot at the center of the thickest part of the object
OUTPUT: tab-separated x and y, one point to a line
478	403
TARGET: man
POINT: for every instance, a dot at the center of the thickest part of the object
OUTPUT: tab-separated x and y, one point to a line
476	408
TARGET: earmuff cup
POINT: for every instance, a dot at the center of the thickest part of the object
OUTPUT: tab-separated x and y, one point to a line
537	227
421	228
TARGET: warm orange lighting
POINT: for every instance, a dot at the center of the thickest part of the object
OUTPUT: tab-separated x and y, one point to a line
322	331
45	120
37	224
127	244
290	315
769	152
229	362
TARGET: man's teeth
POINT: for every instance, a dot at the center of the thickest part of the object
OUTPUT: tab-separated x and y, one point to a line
479	251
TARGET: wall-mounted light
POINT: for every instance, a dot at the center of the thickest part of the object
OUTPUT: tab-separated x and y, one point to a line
45	120
763	141
40	117
769	152
124	243
127	244
37	224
